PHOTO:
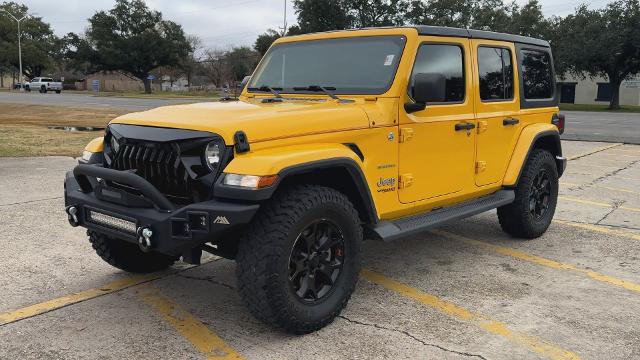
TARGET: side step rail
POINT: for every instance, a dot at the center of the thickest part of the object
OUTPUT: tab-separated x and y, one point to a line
392	230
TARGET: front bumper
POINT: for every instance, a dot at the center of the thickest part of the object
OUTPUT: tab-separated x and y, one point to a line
175	230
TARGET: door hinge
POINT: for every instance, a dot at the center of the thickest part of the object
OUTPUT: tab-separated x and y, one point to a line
482	126
405	181
406	134
481	166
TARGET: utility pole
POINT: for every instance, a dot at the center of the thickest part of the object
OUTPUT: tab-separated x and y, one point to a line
19	45
284	25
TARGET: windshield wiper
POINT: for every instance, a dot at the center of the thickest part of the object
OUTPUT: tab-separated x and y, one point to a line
273	90
317	88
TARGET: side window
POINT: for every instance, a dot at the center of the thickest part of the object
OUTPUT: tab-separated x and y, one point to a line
537	78
495	70
446	60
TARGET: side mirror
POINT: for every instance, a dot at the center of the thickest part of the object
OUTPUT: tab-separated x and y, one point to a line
245	81
427	88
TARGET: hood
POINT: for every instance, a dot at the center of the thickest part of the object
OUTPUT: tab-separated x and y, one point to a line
260	121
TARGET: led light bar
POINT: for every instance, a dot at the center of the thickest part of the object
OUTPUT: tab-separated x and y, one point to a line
111	222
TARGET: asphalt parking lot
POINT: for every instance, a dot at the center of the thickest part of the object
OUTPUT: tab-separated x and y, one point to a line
462	291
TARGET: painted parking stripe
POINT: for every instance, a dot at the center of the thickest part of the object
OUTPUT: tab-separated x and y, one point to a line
597	203
192	329
542	261
600	187
115	286
600	229
495	327
591	152
49	305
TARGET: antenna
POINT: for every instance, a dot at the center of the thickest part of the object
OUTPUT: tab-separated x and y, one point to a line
284	27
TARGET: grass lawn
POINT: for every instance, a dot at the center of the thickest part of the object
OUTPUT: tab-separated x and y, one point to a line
24	132
579	107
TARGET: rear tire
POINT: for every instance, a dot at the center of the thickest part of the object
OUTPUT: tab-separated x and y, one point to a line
58	91
127	256
299	261
531	213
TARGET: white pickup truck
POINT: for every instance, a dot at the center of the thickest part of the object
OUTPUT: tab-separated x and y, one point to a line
43	84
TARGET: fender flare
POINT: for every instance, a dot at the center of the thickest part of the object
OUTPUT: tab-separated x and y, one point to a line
350	162
533	135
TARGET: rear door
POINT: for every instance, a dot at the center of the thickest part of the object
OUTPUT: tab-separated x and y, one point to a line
497	108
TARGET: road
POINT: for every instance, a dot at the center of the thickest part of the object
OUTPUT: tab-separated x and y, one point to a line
586	126
602	126
86	100
463	291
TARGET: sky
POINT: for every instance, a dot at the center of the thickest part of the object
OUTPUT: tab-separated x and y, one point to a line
219	23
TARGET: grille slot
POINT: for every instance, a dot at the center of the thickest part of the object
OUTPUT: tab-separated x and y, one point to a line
159	164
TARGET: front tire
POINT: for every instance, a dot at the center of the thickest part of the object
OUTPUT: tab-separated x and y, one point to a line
58	91
127	256
43	89
530	215
299	261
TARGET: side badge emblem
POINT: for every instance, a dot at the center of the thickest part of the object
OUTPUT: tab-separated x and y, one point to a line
390	137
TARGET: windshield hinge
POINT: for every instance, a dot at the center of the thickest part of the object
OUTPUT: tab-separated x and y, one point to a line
405	181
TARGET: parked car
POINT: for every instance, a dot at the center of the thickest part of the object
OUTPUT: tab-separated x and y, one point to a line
376	133
44	84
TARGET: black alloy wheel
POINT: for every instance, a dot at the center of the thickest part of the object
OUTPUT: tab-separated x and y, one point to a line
316	260
540	193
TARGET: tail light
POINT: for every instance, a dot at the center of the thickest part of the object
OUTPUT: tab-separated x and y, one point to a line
558	121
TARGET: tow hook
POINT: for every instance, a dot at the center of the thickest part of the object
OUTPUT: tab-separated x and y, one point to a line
72	215
144	238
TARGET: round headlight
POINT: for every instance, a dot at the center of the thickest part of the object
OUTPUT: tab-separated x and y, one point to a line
115	146
212	154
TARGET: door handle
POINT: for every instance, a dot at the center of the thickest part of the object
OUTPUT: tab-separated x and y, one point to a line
465	126
510	121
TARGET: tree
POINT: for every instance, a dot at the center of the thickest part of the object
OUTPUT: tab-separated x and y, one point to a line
320	15
132	38
39	44
264	41
604	42
372	13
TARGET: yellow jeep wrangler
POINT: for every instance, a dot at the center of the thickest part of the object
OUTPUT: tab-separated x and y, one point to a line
337	137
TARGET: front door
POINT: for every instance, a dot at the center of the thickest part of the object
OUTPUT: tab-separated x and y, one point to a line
437	144
497	108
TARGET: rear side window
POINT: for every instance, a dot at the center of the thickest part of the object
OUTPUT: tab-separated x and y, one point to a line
495	70
537	74
446	60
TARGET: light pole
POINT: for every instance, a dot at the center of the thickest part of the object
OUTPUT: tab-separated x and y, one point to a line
19	45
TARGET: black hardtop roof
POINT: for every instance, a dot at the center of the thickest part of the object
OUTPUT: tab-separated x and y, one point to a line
478	34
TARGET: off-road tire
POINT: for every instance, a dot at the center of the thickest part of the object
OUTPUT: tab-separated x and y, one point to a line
127	256
264	251
516	218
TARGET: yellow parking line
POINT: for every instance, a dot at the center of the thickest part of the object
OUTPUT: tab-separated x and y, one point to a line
596	203
46	306
594	151
601	187
187	325
600	229
492	326
542	261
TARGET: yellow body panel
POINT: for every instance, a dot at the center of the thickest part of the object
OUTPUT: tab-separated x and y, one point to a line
437	163
521	150
95	145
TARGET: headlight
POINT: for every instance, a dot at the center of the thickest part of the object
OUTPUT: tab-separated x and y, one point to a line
212	154
115	145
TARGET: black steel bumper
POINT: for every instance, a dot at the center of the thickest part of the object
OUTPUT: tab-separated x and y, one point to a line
175	229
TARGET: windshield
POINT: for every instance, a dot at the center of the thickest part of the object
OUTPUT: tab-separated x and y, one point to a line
360	65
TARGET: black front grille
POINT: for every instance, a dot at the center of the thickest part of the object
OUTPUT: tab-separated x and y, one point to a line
159	164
